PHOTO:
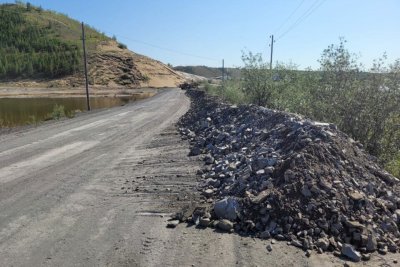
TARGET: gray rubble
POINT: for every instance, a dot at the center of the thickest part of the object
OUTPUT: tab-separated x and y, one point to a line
275	174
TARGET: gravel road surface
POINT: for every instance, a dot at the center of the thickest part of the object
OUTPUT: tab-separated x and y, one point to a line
97	190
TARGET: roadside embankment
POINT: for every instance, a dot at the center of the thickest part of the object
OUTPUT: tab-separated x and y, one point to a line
30	92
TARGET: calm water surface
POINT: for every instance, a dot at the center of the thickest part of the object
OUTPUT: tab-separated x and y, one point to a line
21	111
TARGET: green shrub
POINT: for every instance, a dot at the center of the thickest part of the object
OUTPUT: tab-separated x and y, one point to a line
209	88
122	46
34	120
70	114
58	112
146	78
257	80
393	166
232	92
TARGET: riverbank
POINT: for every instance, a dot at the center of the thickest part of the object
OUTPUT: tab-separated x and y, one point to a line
128	96
28	92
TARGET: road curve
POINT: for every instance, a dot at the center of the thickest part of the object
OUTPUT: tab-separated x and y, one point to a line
66	188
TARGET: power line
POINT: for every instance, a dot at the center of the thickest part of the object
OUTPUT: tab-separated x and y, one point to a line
303	17
299	19
289	17
167	49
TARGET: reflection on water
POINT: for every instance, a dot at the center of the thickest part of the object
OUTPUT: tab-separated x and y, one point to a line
20	111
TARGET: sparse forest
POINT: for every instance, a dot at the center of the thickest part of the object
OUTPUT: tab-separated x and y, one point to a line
31	50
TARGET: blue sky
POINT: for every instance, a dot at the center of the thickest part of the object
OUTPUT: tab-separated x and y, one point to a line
203	32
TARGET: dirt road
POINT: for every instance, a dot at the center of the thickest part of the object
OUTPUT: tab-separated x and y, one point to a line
97	190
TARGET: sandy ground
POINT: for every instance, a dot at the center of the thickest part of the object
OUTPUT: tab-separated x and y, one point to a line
97	190
158	73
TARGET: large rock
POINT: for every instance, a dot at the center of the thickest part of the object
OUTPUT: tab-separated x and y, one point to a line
350	252
323	243
371	243
397	215
225	225
227	208
204	222
265	235
173	224
208	192
195	151
266	162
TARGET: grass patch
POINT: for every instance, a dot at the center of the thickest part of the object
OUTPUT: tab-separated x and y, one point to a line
230	91
122	46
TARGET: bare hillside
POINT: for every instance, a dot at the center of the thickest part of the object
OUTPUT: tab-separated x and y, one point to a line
115	67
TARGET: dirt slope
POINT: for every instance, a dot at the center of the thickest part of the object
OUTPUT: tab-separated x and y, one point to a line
113	66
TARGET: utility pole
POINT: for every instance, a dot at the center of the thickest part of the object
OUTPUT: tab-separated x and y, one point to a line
272	51
85	62
223	70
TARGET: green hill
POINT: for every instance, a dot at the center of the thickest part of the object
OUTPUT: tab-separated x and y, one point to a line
46	47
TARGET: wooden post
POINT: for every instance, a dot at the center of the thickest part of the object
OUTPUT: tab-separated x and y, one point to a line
272	51
223	70
85	63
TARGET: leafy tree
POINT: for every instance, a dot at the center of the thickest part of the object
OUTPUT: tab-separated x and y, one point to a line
29	69
267	88
256	79
362	104
2	70
339	78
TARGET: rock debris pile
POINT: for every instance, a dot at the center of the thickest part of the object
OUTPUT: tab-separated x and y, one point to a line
275	174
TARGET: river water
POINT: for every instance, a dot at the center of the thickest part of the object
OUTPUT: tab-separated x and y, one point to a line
22	111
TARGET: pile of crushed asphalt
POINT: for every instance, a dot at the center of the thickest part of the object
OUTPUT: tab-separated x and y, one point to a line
272	174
